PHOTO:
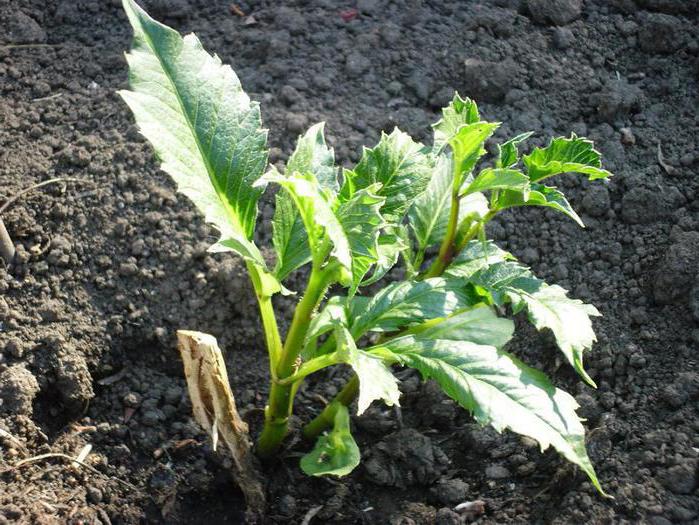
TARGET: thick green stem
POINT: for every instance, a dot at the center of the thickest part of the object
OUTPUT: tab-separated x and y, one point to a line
269	321
281	395
446	249
326	418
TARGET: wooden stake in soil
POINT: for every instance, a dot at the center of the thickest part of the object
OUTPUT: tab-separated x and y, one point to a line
215	410
7	247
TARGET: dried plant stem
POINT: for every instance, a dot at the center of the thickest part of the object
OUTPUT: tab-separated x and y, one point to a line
7	247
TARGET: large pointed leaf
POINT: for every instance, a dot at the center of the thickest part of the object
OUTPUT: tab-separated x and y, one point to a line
405	303
335	453
539	195
401	167
315	207
499	390
458	113
563	155
361	222
311	155
201	123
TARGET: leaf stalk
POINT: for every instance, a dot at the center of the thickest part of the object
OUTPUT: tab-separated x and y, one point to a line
282	391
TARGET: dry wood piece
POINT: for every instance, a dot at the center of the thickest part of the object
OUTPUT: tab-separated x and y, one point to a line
215	410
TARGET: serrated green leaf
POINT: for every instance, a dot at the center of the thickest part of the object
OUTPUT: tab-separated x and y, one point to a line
458	113
478	325
562	155
361	222
498	179
499	390
539	195
402	168
315	207
467	148
508	152
429	215
568	319
390	246
288	237
375	379
407	253
547	307
335	453
201	123
406	303
311	155
475	256
500	278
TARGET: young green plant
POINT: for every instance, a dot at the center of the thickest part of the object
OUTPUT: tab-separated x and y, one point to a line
402	201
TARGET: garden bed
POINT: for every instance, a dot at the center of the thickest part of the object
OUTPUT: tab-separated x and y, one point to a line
111	262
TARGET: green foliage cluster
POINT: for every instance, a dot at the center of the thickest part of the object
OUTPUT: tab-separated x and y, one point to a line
402	202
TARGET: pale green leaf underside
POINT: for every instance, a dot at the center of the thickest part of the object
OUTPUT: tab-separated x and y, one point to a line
539	195
311	155
375	379
361	223
564	155
568	319
335	453
201	123
476	256
478	325
429	215
500	391
498	179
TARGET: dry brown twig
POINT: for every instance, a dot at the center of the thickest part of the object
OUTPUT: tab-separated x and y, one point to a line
7	247
74	461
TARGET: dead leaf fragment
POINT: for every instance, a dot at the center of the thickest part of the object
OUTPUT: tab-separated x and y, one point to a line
215	410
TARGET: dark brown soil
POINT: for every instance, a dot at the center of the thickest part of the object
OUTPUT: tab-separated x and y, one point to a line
108	267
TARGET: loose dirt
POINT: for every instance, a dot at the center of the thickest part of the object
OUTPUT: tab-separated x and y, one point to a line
108	267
